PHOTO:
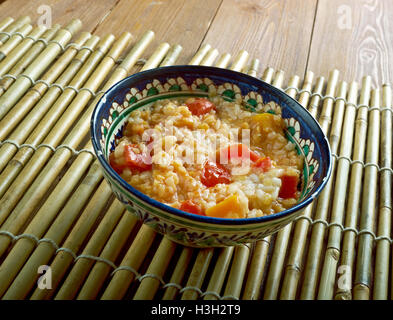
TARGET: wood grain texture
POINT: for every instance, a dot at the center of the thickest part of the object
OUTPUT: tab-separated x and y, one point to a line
183	22
355	37
63	11
278	33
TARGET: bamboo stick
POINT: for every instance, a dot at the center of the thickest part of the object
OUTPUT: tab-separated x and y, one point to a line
294	265
172	55
381	281
259	255
178	274
157	267
256	270
242	253
198	273
267	75
133	259
279	79
35	69
96	243
50	118
277	82
101	270
78	273
53	168
58	230
82	127
253	68
5	23
240	260
35	94
223	61
239	61
157	56
75	239
203	259
180	269
210	57
59	159
318	230
237	272
27	58
282	237
150	285
218	276
47	125
197	58
355	186
39	224
10	60
362	281
333	250
125	66
14	40
12	27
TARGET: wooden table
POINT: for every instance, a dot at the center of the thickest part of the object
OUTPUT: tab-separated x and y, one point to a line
295	36
355	36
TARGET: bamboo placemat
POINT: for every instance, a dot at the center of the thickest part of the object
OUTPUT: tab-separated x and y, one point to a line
56	210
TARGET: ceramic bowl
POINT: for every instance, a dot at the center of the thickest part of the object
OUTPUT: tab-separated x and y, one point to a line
138	90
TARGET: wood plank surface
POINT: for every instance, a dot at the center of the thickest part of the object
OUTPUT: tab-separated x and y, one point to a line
278	33
356	37
62	11
293	35
183	22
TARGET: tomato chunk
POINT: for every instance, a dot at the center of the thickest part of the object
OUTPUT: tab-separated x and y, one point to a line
238	150
214	173
288	186
138	161
264	163
131	160
191	207
118	167
199	106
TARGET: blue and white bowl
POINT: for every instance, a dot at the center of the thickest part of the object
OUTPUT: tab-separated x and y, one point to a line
113	109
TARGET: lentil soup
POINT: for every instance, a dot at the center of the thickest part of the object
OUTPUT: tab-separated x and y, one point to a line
209	157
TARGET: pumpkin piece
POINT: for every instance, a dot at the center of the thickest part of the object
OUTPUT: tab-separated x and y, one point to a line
230	208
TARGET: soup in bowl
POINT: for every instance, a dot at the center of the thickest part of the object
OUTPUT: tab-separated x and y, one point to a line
208	156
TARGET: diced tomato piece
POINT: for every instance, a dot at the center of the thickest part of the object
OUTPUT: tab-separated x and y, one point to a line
199	106
214	173
191	207
131	160
137	161
238	150
115	165
264	163
288	186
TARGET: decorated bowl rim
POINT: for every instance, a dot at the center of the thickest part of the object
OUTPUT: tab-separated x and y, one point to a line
205	70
